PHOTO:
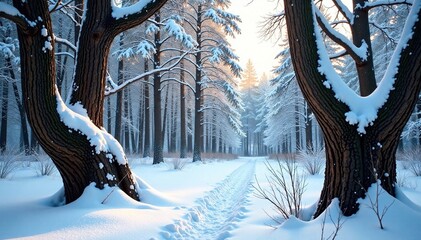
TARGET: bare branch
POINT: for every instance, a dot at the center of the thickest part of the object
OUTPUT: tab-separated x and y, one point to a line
138	78
56	5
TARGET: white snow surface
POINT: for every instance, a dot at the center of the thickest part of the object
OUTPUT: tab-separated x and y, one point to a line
363	110
212	200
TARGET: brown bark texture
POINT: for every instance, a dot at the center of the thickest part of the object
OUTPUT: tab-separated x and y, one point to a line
352	159
76	160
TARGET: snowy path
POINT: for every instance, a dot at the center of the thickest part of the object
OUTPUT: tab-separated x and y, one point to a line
218	211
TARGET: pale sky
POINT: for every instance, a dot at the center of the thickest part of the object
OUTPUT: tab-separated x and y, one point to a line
249	45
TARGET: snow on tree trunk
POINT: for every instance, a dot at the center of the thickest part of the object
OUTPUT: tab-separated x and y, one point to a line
355	152
82	152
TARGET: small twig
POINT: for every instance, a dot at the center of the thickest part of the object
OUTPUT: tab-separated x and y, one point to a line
105	199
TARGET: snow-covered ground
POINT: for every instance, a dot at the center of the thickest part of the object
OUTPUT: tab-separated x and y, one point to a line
212	200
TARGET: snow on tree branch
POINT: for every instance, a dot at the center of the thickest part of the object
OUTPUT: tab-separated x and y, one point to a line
178	32
225	19
363	110
66	42
152	28
13	14
344	10
358	53
141	76
379	3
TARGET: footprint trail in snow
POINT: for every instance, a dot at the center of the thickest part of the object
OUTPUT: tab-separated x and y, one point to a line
218	211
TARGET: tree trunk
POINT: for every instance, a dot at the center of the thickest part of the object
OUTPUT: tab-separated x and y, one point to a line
173	133
131	129
352	159
119	100
109	115
190	133
127	121
198	114
297	125
76	158
147	137
22	114
361	32
141	121
164	120
4	112
158	155
183	131
309	129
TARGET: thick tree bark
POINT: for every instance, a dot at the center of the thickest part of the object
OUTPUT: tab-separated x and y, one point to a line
352	158
96	36
77	161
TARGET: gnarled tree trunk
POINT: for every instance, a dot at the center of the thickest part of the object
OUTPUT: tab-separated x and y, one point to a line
76	158
352	158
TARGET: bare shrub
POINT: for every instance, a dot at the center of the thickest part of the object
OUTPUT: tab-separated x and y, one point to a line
402	181
286	188
225	156
313	160
7	164
275	156
412	161
337	222
374	201
45	166
176	163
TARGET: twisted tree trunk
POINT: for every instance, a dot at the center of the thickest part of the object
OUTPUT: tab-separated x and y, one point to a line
79	161
353	160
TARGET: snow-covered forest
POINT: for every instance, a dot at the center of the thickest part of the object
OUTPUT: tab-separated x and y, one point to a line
138	119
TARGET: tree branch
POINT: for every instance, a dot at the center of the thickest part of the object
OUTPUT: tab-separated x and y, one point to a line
380	3
11	13
56	5
131	16
138	78
344	10
65	42
352	50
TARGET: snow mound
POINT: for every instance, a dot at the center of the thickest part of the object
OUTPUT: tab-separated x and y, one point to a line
365	220
150	195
